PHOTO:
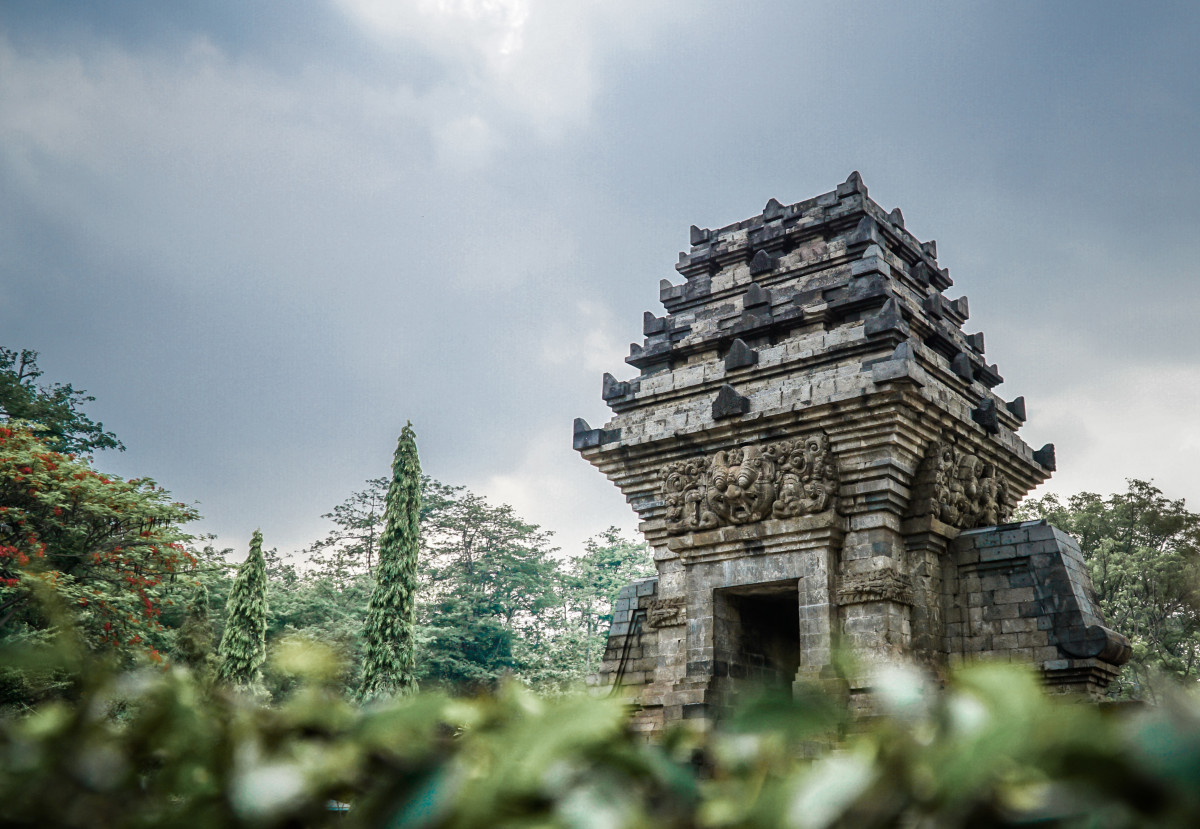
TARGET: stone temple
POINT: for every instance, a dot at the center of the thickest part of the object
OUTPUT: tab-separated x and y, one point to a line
819	461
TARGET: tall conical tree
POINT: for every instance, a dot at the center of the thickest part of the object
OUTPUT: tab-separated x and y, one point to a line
194	643
244	644
389	663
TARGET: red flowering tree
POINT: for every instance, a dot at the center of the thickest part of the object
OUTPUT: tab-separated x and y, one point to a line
107	548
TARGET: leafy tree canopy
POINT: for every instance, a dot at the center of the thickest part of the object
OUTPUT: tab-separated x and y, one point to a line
56	408
106	548
495	597
352	547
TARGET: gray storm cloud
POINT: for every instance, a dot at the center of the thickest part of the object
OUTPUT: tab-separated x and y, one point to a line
266	243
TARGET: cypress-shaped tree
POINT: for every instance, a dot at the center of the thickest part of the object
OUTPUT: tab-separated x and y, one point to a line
244	644
194	643
390	662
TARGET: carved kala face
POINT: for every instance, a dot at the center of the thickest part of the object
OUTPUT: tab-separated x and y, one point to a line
741	485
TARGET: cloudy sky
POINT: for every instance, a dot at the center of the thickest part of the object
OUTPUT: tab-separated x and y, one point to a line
267	234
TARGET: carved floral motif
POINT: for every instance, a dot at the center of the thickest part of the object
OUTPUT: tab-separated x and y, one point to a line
959	488
747	484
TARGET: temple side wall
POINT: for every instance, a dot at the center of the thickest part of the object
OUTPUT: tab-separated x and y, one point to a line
1021	593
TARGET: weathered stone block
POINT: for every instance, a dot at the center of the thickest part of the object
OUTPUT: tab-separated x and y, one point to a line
1032	639
997	553
1018	625
1014	595
1004	641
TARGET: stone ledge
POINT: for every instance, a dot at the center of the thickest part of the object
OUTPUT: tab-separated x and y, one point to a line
771	535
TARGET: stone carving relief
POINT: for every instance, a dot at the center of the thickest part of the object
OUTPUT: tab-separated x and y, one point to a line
959	488
880	585
683	489
740	486
667	612
807	475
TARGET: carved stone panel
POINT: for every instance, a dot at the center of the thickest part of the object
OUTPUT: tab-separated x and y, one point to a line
807	476
741	485
667	612
958	488
783	479
880	585
684	487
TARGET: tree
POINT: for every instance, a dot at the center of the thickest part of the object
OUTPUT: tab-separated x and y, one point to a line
389	664
493	597
463	649
244	643
107	548
570	641
194	641
1143	555
352	547
608	563
55	408
490	582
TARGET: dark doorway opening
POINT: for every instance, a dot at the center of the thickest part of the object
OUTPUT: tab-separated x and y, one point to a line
756	645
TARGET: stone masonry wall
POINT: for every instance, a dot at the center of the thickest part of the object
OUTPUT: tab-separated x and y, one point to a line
1020	592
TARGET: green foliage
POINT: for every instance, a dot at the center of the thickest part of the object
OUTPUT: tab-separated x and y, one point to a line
608	563
352	547
558	654
244	642
389	658
320	612
494	598
106	549
464	647
55	408
151	748
489	581
194	641
1143	554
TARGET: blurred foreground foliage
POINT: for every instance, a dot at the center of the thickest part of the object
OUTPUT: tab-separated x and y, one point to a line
155	747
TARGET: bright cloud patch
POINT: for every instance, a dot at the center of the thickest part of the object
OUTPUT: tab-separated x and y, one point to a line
1139	421
537	58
